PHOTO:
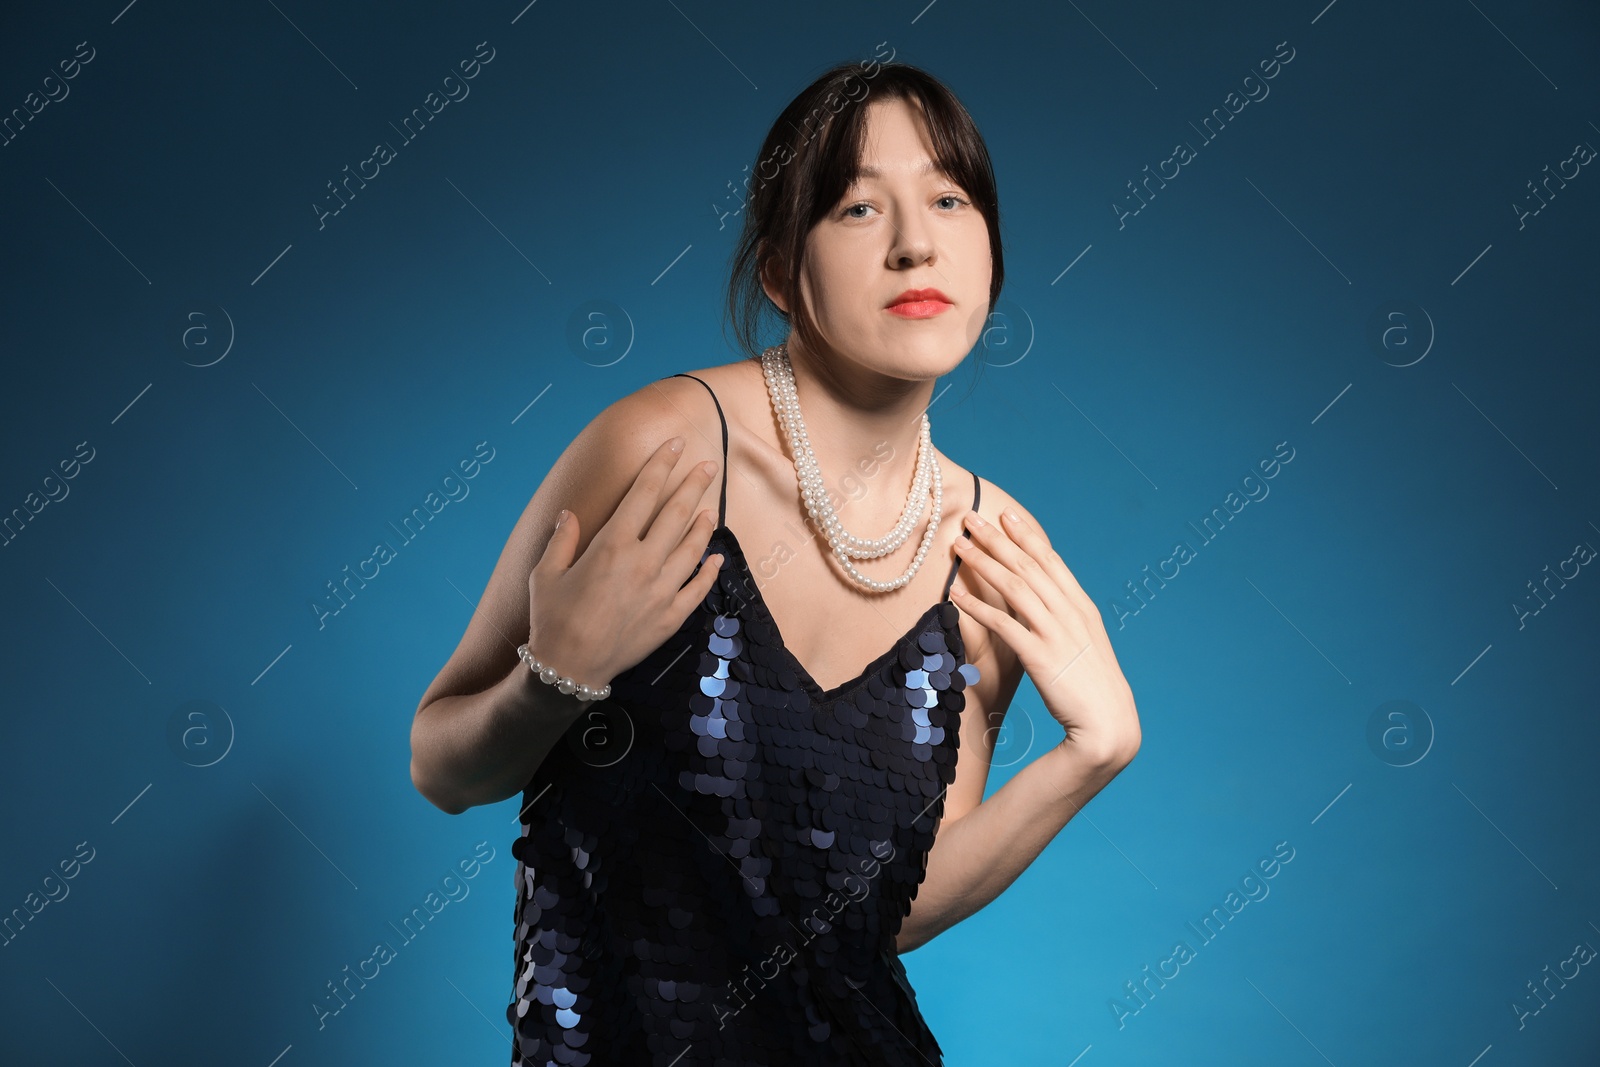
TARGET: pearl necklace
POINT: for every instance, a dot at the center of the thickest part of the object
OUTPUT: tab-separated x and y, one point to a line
779	374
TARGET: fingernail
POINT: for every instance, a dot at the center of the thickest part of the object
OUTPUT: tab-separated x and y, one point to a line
1011	514
675	445
975	519
561	518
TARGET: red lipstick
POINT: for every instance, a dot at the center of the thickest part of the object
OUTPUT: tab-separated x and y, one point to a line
919	304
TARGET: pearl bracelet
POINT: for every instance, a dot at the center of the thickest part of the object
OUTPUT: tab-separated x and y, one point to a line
561	682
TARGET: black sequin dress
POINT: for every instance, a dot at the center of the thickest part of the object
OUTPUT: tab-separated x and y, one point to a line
714	863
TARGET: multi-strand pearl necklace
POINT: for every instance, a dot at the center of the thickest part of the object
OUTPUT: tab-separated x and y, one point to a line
779	374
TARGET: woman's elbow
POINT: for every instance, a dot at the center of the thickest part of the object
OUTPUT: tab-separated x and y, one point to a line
432	793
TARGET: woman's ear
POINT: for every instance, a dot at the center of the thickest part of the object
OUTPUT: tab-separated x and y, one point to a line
772	279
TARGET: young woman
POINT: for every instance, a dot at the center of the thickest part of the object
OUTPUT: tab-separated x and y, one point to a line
741	796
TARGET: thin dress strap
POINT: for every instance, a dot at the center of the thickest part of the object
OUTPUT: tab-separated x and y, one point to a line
722	501
977	494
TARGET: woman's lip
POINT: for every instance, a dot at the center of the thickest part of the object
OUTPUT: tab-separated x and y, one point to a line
918	309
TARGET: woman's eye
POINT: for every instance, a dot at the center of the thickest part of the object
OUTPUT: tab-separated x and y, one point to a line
957	202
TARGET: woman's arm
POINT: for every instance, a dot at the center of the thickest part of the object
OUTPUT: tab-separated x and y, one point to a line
483	748
486	723
1042	624
981	853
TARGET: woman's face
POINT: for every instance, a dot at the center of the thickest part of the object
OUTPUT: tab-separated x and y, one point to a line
903	225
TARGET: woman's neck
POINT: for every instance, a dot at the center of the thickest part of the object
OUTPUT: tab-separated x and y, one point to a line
864	428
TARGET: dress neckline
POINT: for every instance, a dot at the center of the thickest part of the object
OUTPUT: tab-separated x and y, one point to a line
806	680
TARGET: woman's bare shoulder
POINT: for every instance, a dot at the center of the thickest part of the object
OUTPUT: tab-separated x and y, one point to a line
662	400
960	484
630	428
600	464
992	498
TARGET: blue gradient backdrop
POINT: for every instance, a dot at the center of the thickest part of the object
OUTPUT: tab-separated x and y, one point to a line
1350	267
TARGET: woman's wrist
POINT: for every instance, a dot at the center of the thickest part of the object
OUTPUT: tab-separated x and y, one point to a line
565	684
540	701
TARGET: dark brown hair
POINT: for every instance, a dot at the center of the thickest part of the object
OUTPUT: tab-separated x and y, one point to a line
810	158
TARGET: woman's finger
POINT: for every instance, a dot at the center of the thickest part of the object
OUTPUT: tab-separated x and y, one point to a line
644	497
1029	592
1008	629
672	523
677	567
1033	540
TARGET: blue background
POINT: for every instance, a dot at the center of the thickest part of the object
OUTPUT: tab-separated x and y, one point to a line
1436	870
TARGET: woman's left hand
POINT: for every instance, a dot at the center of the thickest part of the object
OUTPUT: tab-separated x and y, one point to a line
1056	632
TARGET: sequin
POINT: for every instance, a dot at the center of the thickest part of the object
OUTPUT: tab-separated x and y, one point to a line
727	892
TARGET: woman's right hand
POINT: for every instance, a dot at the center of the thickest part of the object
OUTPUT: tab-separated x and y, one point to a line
593	619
